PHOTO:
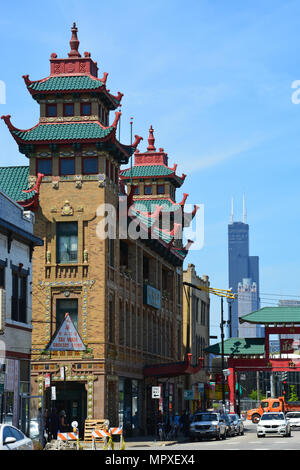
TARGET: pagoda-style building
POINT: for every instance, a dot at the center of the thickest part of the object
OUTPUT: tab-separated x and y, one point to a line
122	295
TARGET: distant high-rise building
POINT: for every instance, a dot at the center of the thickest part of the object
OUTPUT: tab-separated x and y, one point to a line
241	266
248	301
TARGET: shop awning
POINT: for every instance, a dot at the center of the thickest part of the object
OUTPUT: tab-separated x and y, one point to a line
173	369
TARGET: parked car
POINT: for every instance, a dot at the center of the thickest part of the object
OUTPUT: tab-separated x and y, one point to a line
13	439
294	418
230	428
207	424
238	424
273	423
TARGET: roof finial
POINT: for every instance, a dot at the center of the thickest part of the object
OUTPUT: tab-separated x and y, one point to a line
151	140
74	43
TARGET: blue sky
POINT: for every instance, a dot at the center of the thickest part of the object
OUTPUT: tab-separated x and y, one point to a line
214	79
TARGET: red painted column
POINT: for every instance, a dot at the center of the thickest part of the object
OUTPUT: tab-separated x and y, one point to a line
231	385
267	347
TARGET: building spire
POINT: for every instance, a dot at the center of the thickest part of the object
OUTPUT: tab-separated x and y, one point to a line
151	140
232	211
74	43
244	210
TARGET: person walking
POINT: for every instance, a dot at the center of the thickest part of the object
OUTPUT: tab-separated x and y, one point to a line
63	425
40	419
54	424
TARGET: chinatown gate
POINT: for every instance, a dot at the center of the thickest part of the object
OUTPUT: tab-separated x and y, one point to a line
253	354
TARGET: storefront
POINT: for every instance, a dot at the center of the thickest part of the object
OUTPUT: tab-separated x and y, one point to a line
130	405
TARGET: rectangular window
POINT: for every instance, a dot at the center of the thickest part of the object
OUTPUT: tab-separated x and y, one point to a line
67	242
86	109
160	189
19	297
111	320
67	166
146	270
111	252
90	166
2	277
64	306
51	110
136	190
68	109
147	189
44	166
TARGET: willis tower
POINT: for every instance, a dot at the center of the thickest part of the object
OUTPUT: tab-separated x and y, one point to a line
243	277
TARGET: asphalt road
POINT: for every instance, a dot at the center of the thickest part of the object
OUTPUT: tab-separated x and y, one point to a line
247	442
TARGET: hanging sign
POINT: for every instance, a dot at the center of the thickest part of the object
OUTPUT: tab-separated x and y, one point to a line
286	345
66	337
47	380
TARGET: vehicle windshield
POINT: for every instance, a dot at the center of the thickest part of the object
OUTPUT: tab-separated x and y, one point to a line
206	417
293	415
233	417
270	416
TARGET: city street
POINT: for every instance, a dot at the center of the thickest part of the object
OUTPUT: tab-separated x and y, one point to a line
247	442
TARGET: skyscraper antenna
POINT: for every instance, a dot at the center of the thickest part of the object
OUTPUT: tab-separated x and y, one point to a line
244	210
232	211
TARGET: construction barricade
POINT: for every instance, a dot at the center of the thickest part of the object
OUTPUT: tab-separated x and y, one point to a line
107	435
68	436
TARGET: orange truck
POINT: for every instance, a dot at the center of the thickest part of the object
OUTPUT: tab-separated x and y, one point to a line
272	405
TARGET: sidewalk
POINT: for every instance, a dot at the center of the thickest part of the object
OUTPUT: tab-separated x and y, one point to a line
139	441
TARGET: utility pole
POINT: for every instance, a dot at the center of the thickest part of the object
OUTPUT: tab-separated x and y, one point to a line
222	352
228	294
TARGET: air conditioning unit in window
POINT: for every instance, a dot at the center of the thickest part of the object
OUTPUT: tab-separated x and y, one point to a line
2	310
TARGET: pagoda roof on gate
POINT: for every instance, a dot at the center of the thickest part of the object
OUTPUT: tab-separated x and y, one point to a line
239	347
273	316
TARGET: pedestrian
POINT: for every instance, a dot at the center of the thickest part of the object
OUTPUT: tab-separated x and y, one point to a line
47	424
54	424
63	425
40	419
176	424
185	423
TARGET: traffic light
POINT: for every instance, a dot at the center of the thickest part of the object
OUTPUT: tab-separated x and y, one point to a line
284	388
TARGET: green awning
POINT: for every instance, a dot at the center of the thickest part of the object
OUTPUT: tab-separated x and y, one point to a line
239	347
273	315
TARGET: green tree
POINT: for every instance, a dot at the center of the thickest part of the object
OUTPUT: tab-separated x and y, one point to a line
293	393
253	395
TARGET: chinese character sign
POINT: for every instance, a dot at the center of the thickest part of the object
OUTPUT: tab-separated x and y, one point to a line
67	338
286	346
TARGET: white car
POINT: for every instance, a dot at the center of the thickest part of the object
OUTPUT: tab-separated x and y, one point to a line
293	418
13	439
273	423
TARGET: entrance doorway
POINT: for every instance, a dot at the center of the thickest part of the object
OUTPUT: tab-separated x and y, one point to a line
72	398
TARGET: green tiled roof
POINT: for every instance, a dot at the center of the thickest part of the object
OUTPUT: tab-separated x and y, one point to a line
147	170
149	205
273	315
12	180
239	347
64	131
148	222
67	83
